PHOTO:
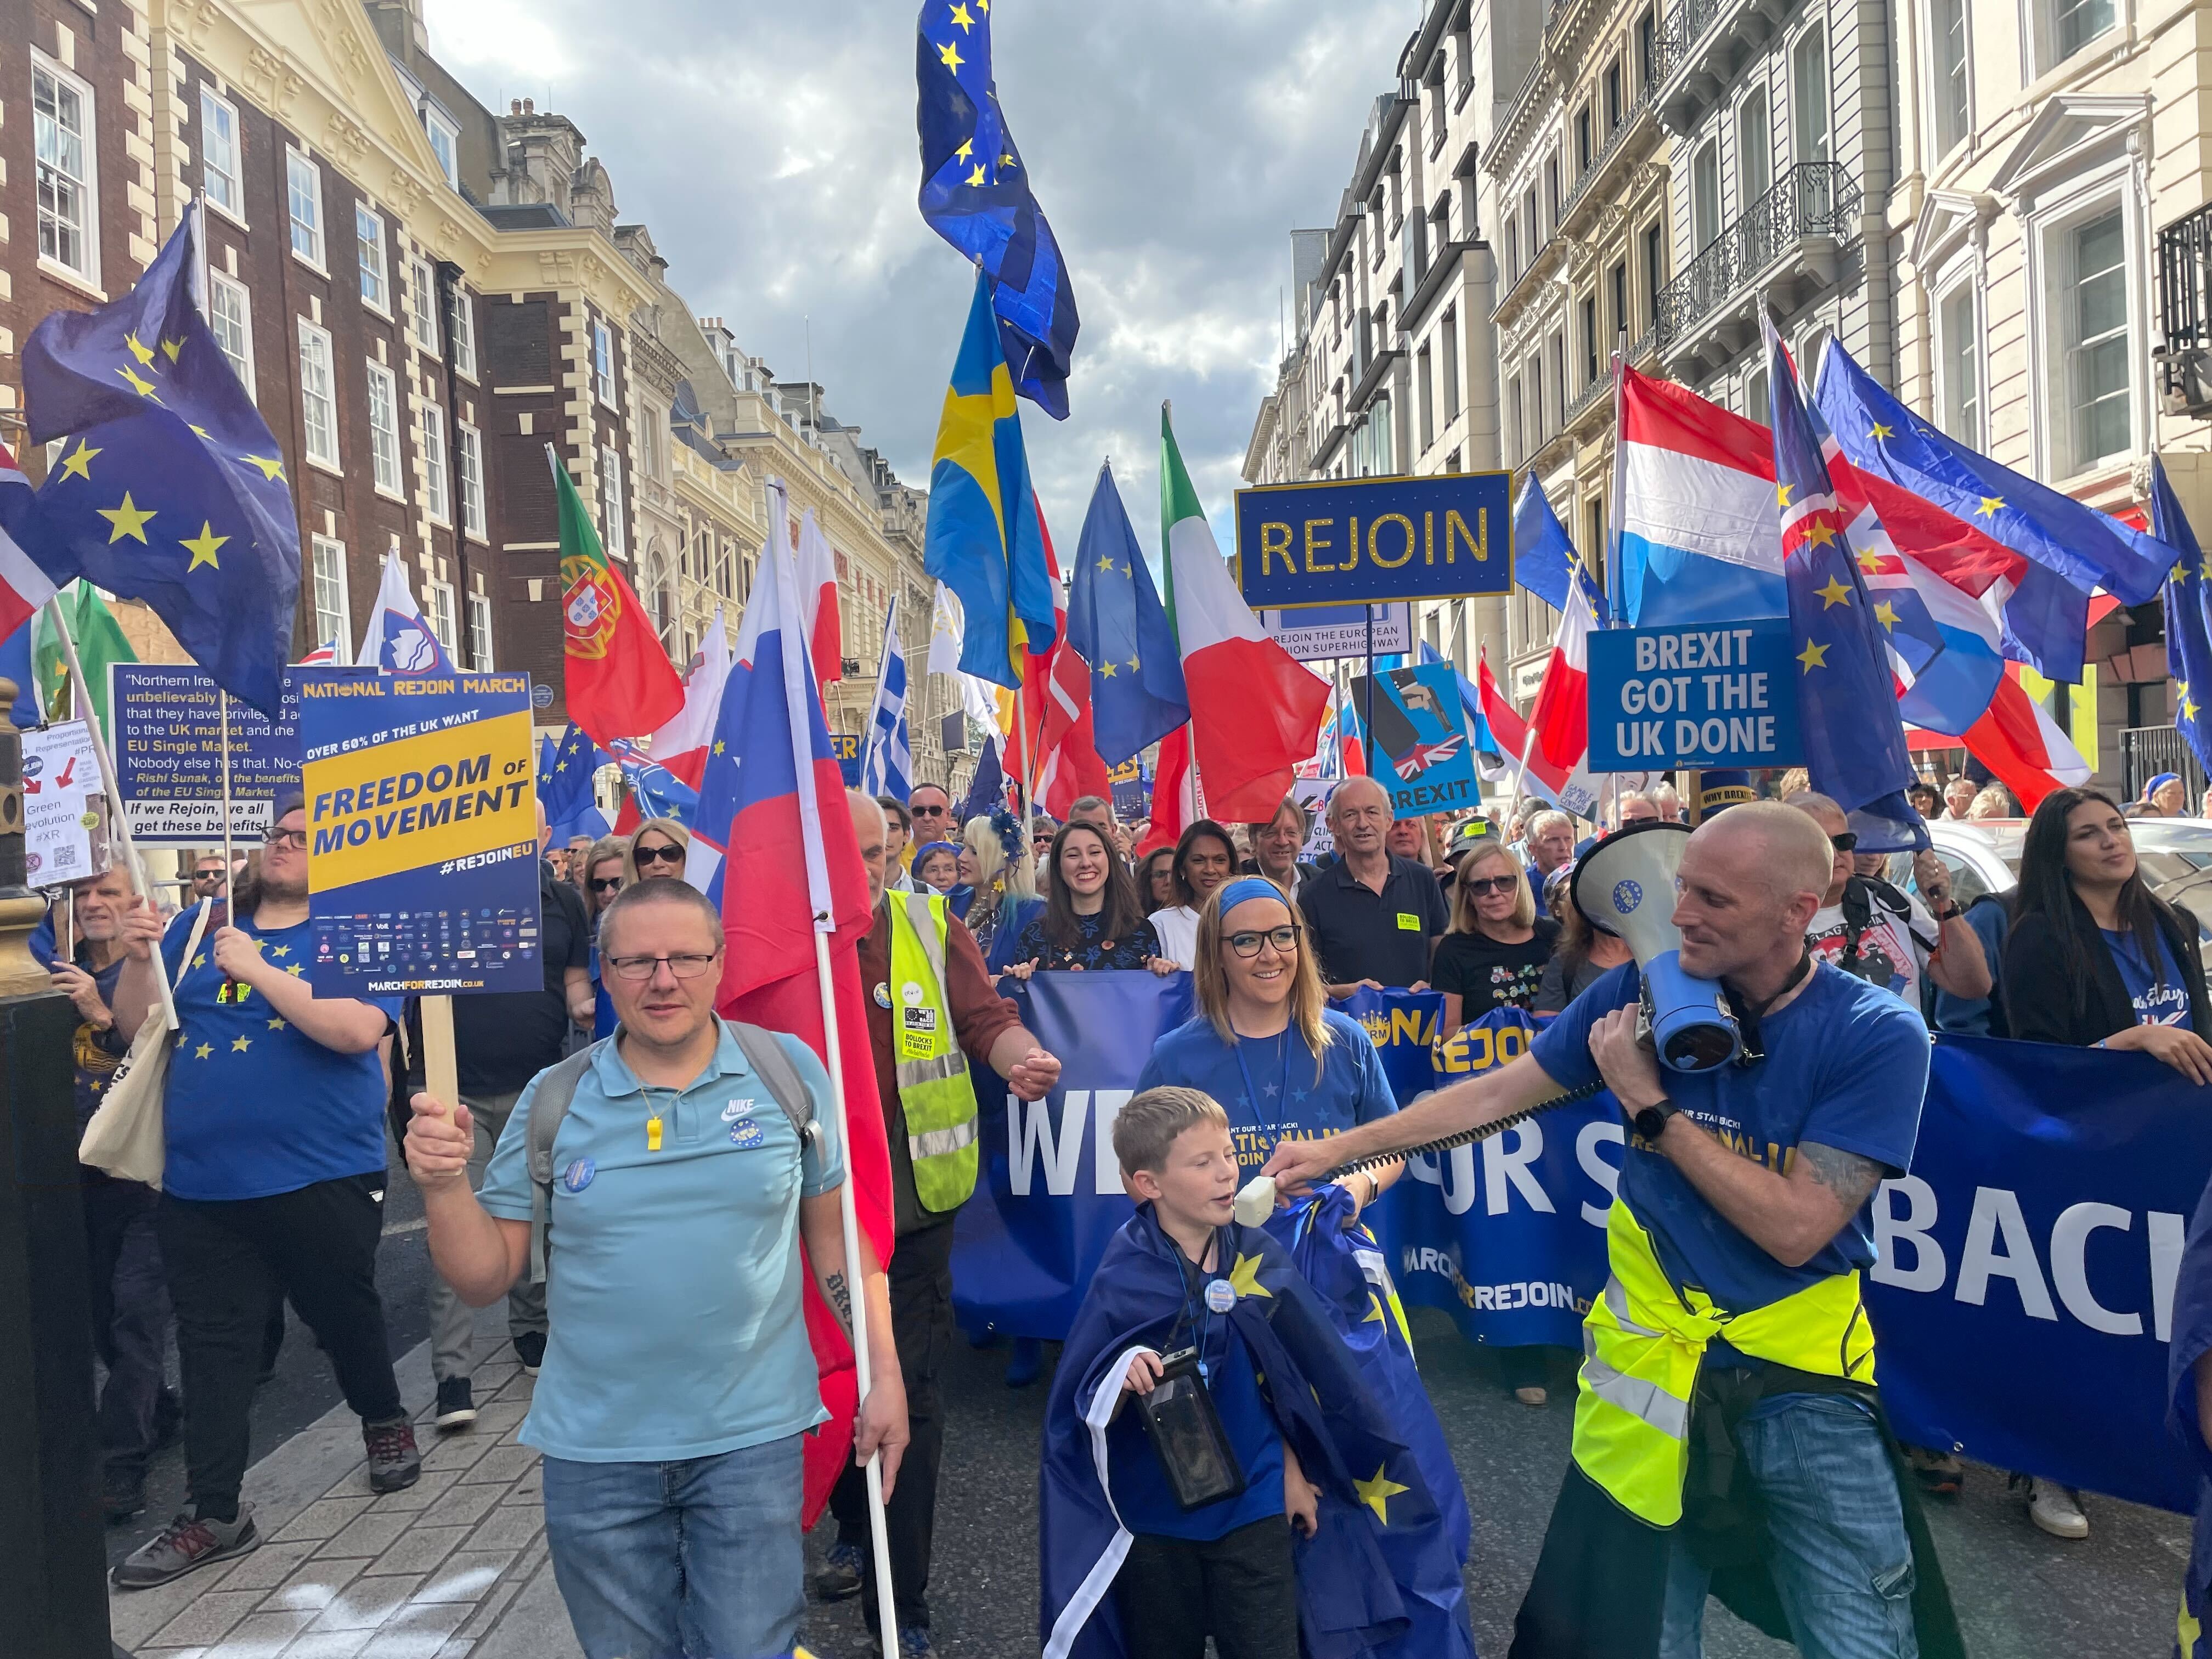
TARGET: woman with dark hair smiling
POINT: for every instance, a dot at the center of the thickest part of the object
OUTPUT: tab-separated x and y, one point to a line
1205	857
1092	919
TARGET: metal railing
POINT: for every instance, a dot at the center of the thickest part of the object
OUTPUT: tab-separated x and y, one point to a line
1815	198
1613	141
1681	29
2184	280
1597	390
2148	751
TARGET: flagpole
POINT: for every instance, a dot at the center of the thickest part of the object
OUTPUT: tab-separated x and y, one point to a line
1520	777
229	884
122	819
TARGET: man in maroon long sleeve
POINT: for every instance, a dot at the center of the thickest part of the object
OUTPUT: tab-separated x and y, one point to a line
932	1013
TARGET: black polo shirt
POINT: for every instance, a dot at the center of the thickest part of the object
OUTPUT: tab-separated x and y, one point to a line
503	1039
1359	933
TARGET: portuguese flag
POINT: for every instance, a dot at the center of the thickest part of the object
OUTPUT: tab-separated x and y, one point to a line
620	683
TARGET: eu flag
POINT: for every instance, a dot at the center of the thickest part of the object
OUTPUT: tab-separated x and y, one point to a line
1846	699
976	194
983	538
1544	561
564	785
1118	626
2188	634
173	490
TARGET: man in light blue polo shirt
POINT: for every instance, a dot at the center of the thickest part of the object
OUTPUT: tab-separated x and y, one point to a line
677	1379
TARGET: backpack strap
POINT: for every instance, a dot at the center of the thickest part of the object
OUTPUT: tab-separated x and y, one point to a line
773	1066
548	1105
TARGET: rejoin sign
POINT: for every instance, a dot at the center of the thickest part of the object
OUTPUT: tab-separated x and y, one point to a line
1719	697
1369	541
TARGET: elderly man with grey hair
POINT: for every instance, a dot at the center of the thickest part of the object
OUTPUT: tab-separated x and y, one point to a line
1887	937
1373	917
1669	800
1742	1205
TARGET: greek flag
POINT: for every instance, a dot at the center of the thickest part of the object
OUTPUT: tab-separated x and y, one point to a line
888	767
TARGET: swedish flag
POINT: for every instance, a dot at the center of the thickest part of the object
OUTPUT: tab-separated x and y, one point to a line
984	538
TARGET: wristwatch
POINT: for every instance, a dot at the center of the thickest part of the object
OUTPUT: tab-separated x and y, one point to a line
1651	1120
1951	912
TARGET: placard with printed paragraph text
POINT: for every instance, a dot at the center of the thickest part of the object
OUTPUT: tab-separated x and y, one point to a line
422	835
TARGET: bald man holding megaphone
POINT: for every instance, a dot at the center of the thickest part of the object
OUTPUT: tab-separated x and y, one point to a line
1765	1096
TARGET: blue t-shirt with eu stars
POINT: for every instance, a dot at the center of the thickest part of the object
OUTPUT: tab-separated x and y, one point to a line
253	1107
673	1278
1846	1066
1267	1085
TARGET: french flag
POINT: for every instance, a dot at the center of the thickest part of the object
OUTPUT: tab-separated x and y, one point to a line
1562	711
817	588
774	846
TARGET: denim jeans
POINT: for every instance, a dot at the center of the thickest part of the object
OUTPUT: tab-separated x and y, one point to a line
699	1559
1836	1543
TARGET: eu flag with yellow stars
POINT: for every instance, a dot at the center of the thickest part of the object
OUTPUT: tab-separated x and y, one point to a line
2187	634
169	488
565	772
1847	708
976	194
983	538
1117	625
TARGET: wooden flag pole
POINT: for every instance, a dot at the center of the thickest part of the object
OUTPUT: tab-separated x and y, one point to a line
120	824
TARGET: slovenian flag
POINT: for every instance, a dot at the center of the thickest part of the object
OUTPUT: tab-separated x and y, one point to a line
774	846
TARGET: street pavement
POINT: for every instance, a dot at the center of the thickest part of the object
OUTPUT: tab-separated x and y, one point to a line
456	1567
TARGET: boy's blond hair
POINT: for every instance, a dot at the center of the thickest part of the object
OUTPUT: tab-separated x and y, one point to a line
1148	1126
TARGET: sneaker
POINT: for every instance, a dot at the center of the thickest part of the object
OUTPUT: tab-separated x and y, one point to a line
1938	1473
394	1465
1533	1396
123	1495
186	1543
914	1644
840	1578
530	1349
2056	1508
457	1404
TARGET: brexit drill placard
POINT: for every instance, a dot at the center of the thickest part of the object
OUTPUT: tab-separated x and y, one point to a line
422	835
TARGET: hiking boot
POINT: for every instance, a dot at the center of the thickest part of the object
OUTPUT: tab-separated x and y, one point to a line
840	1578
123	1495
457	1404
186	1543
530	1349
394	1465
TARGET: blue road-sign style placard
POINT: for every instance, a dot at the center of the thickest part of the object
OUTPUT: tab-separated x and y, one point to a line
169	751
1724	696
1421	729
1369	541
846	745
423	848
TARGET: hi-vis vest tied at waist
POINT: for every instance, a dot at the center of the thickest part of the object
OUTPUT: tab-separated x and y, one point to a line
934	1088
1643	1342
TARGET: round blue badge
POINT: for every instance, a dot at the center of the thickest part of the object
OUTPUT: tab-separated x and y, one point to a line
882	996
746	1134
1626	896
1220	1295
578	1175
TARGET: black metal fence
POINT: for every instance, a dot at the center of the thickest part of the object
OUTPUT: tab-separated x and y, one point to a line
2148	751
1813	198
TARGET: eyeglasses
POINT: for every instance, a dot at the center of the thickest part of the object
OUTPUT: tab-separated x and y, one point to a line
606	884
1285	939
1844	843
1490	884
662	854
636	970
281	838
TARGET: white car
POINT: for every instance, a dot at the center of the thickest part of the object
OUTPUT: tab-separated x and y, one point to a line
1982	855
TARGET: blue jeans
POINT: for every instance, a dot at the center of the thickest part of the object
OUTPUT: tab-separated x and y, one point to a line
699	1559
1836	1543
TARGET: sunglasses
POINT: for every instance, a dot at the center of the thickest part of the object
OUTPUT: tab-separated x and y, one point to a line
1285	939
662	854
1490	884
930	811
1844	843
606	885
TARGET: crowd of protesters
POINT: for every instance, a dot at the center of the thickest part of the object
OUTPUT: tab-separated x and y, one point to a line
277	1104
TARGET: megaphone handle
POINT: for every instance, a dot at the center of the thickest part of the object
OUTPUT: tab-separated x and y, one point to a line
1467	1137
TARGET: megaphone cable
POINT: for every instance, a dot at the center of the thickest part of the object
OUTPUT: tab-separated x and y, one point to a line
1468	1137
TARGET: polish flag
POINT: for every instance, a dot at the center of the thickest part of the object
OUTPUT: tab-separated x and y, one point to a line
816	564
1562	711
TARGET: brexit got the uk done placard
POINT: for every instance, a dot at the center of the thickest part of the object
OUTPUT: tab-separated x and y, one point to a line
422	835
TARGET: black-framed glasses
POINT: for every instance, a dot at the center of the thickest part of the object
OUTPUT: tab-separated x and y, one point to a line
686	965
1846	841
1248	943
606	884
661	854
274	838
1490	884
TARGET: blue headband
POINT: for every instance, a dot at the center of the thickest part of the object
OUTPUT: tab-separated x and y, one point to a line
1246	888
2159	782
930	847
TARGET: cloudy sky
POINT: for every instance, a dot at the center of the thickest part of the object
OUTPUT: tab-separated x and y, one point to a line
771	150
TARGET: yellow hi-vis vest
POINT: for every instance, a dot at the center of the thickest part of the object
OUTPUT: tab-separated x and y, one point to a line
1643	1342
934	1090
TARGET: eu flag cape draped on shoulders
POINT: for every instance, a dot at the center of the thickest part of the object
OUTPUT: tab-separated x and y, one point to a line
1349	1603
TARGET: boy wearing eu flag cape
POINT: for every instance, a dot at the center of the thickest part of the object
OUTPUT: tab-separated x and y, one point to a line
1213	1463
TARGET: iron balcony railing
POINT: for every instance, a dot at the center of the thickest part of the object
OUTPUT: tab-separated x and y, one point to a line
2184	280
1613	141
1682	30
1599	388
1815	198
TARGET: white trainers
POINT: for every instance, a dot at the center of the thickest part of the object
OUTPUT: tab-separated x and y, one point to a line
2057	1509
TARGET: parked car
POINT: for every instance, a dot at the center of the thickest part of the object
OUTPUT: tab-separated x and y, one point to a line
1983	856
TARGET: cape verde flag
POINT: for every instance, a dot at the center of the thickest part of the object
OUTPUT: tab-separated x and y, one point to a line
774	846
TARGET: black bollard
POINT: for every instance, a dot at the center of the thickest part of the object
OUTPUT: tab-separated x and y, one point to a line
53	1556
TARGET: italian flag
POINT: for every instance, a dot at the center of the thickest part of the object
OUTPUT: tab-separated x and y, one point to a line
1256	711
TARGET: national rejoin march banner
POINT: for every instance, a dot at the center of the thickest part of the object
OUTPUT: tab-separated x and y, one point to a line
2023	1300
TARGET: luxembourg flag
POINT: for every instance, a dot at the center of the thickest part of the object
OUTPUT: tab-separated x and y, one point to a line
774	846
817	590
1562	711
1699	538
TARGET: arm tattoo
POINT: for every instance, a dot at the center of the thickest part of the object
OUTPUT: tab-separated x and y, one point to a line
1846	1174
841	1299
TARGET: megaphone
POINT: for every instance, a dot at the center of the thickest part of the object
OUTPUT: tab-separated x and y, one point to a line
1627	886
